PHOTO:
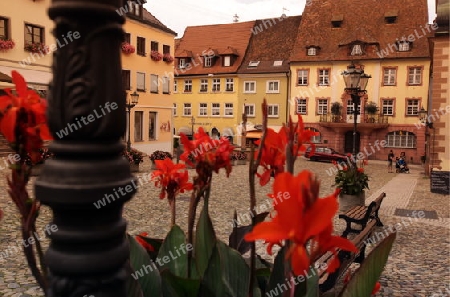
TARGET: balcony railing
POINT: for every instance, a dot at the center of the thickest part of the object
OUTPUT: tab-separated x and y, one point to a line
366	118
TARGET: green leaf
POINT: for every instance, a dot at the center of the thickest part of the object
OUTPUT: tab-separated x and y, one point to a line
205	240
227	273
236	238
278	272
173	252
363	281
144	271
155	243
175	286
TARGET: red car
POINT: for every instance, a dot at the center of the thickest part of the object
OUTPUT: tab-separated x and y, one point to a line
325	154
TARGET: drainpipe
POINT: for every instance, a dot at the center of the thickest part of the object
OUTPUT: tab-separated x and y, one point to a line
288	100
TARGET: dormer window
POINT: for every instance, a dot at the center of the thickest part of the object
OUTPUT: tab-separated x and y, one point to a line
253	64
390	17
208	61
356	50
312	51
403	46
336	20
135	8
227	61
182	63
277	63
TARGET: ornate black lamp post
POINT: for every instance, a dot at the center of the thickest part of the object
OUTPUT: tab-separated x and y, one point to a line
355	85
88	253
130	104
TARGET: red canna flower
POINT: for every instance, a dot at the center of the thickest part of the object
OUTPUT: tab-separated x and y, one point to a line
273	155
24	116
360	170
301	218
172	178
207	152
144	243
376	288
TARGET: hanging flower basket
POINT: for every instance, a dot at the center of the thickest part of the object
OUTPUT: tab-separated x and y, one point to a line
167	58
128	48
36	47
156	56
6	44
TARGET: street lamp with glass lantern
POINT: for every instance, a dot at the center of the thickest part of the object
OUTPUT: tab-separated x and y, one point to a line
355	85
130	104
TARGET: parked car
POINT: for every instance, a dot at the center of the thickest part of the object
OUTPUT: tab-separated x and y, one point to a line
324	154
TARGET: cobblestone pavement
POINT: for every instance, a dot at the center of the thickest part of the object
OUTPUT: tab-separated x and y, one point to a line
418	265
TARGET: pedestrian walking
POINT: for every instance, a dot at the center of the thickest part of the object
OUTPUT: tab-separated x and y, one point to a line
390	160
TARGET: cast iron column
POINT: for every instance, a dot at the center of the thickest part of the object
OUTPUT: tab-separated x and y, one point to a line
355	99
88	254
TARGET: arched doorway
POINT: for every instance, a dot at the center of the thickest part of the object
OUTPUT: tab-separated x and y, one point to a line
215	133
348	147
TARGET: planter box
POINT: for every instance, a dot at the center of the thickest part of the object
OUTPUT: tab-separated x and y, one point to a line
36	170
241	162
348	201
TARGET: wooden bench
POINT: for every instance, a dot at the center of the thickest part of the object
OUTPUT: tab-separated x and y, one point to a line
361	215
366	217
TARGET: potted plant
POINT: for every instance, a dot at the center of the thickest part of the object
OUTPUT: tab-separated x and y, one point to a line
159	155
352	181
36	47
134	157
239	157
336	111
167	58
127	48
6	44
156	56
371	109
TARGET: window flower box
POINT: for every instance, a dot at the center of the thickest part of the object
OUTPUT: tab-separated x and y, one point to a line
167	58
6	44
156	56
128	48
36	47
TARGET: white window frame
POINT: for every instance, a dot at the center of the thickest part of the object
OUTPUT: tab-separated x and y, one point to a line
215	109
273	110
387	106
324	77
227	108
301	105
229	85
227	61
412	107
166	85
401	139
174	110
322	108
216	82
140	81
356	50
187	86
203	109
187	109
207	61
175	86
389	77
350	106
403	46
414	76
312	51
182	63
303	77
270	87
250	110
203	85
154	83
250	87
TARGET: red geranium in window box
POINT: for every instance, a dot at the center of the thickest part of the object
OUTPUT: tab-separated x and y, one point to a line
128	48
167	58
6	44
156	56
36	47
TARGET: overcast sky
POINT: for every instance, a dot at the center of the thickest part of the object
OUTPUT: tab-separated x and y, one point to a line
178	14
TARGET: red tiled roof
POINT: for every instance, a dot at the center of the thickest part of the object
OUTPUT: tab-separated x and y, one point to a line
362	21
273	41
201	39
150	18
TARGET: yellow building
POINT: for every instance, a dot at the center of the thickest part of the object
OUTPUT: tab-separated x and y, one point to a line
390	44
147	62
26	42
206	79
